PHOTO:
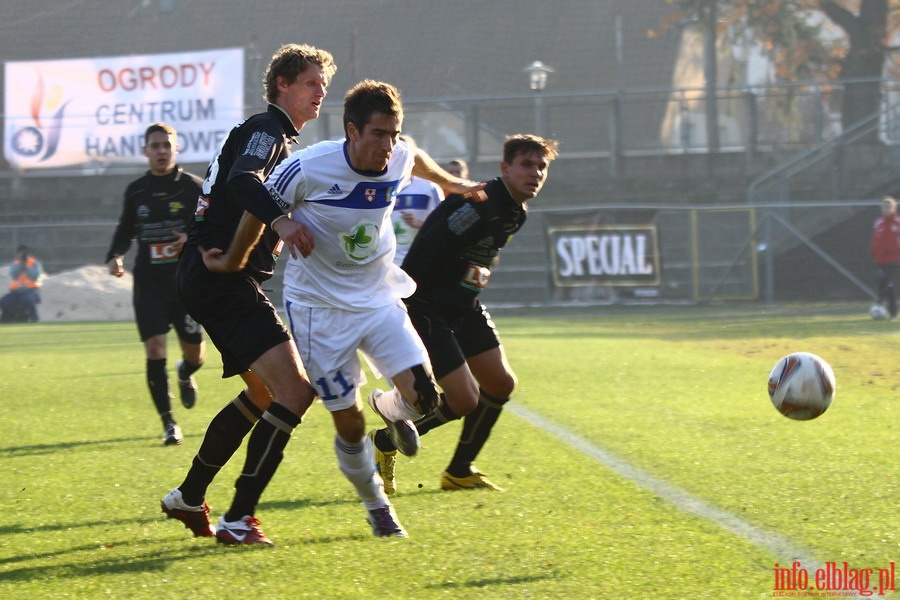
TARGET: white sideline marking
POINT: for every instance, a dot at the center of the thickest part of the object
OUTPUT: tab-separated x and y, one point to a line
777	544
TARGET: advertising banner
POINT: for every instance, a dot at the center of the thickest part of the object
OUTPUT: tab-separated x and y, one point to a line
604	249
94	111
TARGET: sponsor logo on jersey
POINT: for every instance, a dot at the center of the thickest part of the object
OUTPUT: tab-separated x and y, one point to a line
334	190
143	211
202	205
163	253
476	277
175	208
259	145
361	242
284	204
462	219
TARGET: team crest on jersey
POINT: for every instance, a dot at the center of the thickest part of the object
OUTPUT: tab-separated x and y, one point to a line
370	194
361	242
175	208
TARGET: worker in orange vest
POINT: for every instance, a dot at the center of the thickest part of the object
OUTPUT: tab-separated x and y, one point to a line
20	304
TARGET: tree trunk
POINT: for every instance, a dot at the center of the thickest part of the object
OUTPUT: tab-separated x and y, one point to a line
866	33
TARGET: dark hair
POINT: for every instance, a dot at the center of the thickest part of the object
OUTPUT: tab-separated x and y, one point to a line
163	127
22	249
369	97
290	61
523	143
461	163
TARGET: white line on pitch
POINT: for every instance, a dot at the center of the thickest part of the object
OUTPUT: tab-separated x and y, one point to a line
777	544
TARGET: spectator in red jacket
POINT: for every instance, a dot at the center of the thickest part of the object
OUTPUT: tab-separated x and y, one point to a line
886	252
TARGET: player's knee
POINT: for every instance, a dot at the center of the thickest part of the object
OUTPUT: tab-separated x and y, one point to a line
257	391
350	425
463	404
259	395
502	386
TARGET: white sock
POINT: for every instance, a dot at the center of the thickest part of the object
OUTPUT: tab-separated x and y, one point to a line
357	463
392	405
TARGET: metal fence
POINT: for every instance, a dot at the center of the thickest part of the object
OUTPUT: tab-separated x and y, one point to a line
769	252
614	124
787	117
814	251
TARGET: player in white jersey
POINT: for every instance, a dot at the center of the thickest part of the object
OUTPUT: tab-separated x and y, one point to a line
415	201
348	213
344	294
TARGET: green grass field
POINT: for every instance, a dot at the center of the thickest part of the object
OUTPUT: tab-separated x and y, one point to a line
677	394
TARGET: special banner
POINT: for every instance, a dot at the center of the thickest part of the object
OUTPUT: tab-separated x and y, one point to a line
85	111
616	248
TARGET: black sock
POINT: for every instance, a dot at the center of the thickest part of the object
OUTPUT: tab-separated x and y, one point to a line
265	449
439	416
475	432
223	437
158	382
186	369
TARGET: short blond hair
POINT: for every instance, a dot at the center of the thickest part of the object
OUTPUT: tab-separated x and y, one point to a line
290	61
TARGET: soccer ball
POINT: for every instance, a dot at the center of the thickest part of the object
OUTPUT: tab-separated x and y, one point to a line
878	312
801	386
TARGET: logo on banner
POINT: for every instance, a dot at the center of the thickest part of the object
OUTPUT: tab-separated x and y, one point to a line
624	255
40	139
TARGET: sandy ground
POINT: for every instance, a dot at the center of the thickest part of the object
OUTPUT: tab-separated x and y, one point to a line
88	293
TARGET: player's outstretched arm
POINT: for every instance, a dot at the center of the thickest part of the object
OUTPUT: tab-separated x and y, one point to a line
427	168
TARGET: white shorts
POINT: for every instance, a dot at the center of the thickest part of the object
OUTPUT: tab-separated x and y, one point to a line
329	340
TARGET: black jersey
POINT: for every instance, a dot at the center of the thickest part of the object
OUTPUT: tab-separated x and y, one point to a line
249	154
154	207
452	255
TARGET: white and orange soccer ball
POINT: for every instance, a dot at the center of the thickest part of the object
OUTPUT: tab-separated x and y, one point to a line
801	386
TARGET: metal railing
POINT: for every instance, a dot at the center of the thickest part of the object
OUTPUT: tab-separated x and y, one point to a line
613	124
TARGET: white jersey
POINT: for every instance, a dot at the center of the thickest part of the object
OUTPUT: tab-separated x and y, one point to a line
417	199
348	212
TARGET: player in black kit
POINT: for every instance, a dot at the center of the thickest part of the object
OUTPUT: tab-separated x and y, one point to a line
155	214
451	260
227	298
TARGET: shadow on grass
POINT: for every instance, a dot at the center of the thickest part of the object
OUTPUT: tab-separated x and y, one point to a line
490	582
121	559
158	558
39	449
26	529
305	503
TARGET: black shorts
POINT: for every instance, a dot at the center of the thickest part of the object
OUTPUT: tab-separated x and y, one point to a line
238	317
451	335
157	307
